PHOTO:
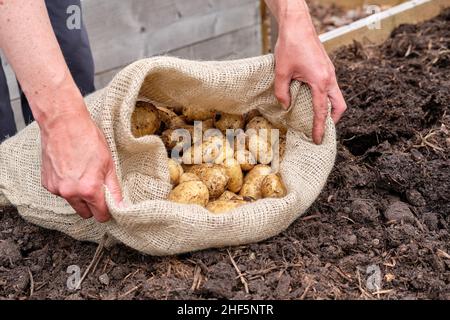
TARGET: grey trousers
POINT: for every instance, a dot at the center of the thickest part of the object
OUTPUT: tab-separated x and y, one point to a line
74	44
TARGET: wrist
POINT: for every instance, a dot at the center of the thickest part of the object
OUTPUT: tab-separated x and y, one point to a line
57	103
295	17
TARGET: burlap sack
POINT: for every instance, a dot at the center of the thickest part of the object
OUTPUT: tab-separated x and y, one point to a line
149	223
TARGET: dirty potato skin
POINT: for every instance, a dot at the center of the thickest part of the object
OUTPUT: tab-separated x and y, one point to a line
144	119
272	187
258	123
234	172
197	114
214	176
252	114
188	176
166	115
216	149
260	148
212	150
175	171
229	121
253	181
245	159
168	139
191	192
228	195
222	206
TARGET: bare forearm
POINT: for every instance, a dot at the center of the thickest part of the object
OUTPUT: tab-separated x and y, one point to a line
291	12
299	55
30	45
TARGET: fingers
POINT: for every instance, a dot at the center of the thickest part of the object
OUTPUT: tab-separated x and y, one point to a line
320	107
97	202
87	199
113	185
338	104
282	85
99	208
80	207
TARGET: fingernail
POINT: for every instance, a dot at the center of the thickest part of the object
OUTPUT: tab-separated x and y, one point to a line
121	205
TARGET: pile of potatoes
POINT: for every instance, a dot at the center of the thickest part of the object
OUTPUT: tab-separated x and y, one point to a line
223	177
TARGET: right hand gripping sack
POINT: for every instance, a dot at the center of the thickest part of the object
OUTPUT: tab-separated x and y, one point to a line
149	222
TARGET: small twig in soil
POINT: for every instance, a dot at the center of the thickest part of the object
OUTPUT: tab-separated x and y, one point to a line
97	262
363	292
343	275
130	275
391	265
94	260
241	276
314	216
347	218
443	254
425	141
40	286
106	265
302	297
197	278
130	291
382	292
31	282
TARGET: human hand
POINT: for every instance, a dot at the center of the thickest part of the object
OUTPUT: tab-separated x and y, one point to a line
299	55
76	164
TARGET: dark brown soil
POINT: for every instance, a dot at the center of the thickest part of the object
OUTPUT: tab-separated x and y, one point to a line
386	206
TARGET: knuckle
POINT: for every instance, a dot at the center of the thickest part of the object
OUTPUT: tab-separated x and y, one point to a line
67	191
89	190
324	77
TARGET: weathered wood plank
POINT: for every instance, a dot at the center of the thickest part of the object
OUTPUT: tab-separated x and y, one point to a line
124	31
271	27
136	29
351	4
413	11
243	43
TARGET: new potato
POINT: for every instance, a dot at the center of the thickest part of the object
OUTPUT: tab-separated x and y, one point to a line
259	123
253	181
214	176
272	187
175	171
197	114
219	179
260	148
245	159
229	121
213	150
191	192
144	119
188	176
234	172
228	195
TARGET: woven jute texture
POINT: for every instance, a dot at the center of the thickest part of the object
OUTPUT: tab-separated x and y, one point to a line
149	223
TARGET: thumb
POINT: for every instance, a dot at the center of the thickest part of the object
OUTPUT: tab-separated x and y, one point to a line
113	185
282	85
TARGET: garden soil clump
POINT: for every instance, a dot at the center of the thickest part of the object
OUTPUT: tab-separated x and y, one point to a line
380	229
